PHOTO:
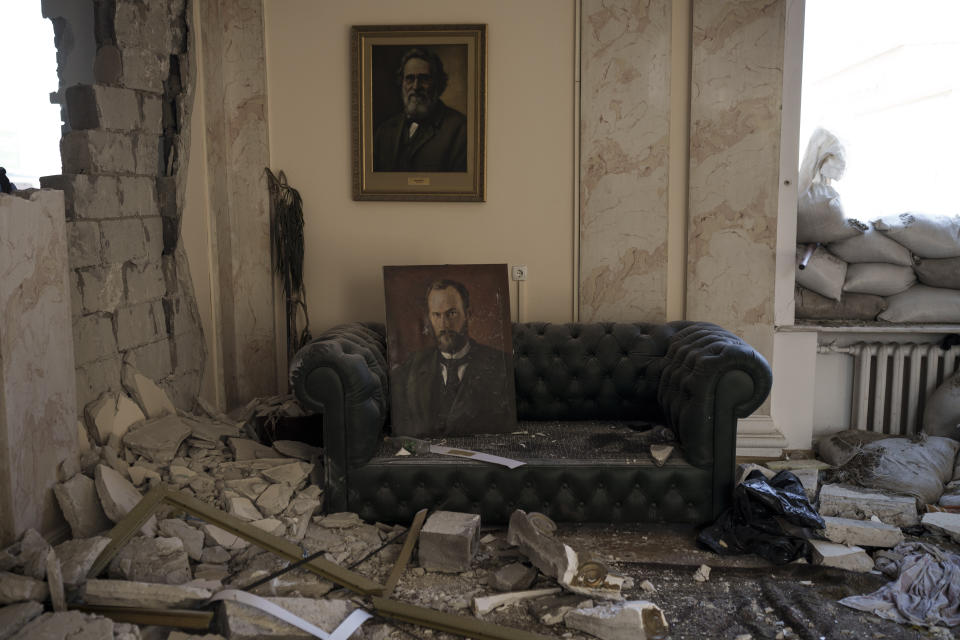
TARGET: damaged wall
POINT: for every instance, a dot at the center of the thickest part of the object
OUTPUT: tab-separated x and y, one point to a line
124	169
38	427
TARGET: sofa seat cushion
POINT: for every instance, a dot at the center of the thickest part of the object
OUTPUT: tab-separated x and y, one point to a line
555	440
574	472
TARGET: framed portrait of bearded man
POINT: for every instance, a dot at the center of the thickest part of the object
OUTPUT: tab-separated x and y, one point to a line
418	112
450	350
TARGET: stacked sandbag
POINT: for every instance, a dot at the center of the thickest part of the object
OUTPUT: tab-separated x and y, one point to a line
901	268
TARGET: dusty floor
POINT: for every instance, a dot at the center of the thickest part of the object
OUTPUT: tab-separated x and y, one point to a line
744	595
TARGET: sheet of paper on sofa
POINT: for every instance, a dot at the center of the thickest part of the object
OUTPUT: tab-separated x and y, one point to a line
476	455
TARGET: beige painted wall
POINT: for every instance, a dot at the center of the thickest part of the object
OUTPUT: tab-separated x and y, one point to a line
528	217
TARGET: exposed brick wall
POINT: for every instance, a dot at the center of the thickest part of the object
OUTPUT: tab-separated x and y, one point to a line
124	170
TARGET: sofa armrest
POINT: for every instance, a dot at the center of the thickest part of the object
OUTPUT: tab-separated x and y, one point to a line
710	378
343	374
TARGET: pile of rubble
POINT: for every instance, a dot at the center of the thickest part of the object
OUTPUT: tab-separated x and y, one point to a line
172	561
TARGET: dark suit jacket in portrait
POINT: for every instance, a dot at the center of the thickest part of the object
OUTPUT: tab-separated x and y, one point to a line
483	402
439	143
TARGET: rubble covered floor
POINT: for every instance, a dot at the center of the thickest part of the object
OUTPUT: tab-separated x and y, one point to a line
744	594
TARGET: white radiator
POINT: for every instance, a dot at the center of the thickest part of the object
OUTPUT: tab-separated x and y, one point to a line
892	381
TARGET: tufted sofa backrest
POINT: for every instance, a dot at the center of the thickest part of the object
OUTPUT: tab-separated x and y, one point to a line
582	371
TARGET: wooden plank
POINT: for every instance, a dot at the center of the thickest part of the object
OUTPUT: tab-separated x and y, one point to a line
179	618
125	529
460	625
405	552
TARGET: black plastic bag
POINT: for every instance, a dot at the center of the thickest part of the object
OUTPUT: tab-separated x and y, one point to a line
771	518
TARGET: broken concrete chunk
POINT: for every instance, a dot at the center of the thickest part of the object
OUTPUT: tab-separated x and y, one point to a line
68	467
16	588
33	554
109	457
157	439
140	474
13	617
341	520
247	449
210	430
513	577
274	499
271	525
241	622
859	504
112	413
947	524
191	537
802	463
841	556
865	533
181	475
215	555
248	487
545	552
702	574
660	453
67	625
810	479
215	536
126	593
293	474
449	540
81	506
77	556
127	631
486	604
118	497
305	502
533	534
294	449
550	611
211	571
161	560
243	508
744	469
635	620
55	582
153	401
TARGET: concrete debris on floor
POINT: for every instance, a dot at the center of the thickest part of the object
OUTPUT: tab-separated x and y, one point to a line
532	579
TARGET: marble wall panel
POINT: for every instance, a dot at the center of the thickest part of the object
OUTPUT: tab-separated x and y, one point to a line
234	74
624	129
37	386
736	56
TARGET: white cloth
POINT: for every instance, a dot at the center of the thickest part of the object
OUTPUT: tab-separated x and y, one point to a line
926	591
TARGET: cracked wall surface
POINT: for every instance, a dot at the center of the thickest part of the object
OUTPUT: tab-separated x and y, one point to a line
737	75
736	53
625	125
124	170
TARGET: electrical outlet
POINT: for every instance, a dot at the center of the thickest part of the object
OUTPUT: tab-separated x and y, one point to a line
518	272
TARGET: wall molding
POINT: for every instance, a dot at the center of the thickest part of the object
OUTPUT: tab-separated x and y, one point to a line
758	436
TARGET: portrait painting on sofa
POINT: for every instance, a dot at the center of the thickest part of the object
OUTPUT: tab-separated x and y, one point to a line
450	350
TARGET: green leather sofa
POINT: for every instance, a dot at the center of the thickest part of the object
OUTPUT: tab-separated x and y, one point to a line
589	396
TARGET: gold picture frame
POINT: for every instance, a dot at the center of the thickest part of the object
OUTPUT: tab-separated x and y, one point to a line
418	112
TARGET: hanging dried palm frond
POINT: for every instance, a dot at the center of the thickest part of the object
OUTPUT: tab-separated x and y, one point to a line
286	209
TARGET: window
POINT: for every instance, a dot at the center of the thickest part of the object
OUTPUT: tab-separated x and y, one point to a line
883	75
29	124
